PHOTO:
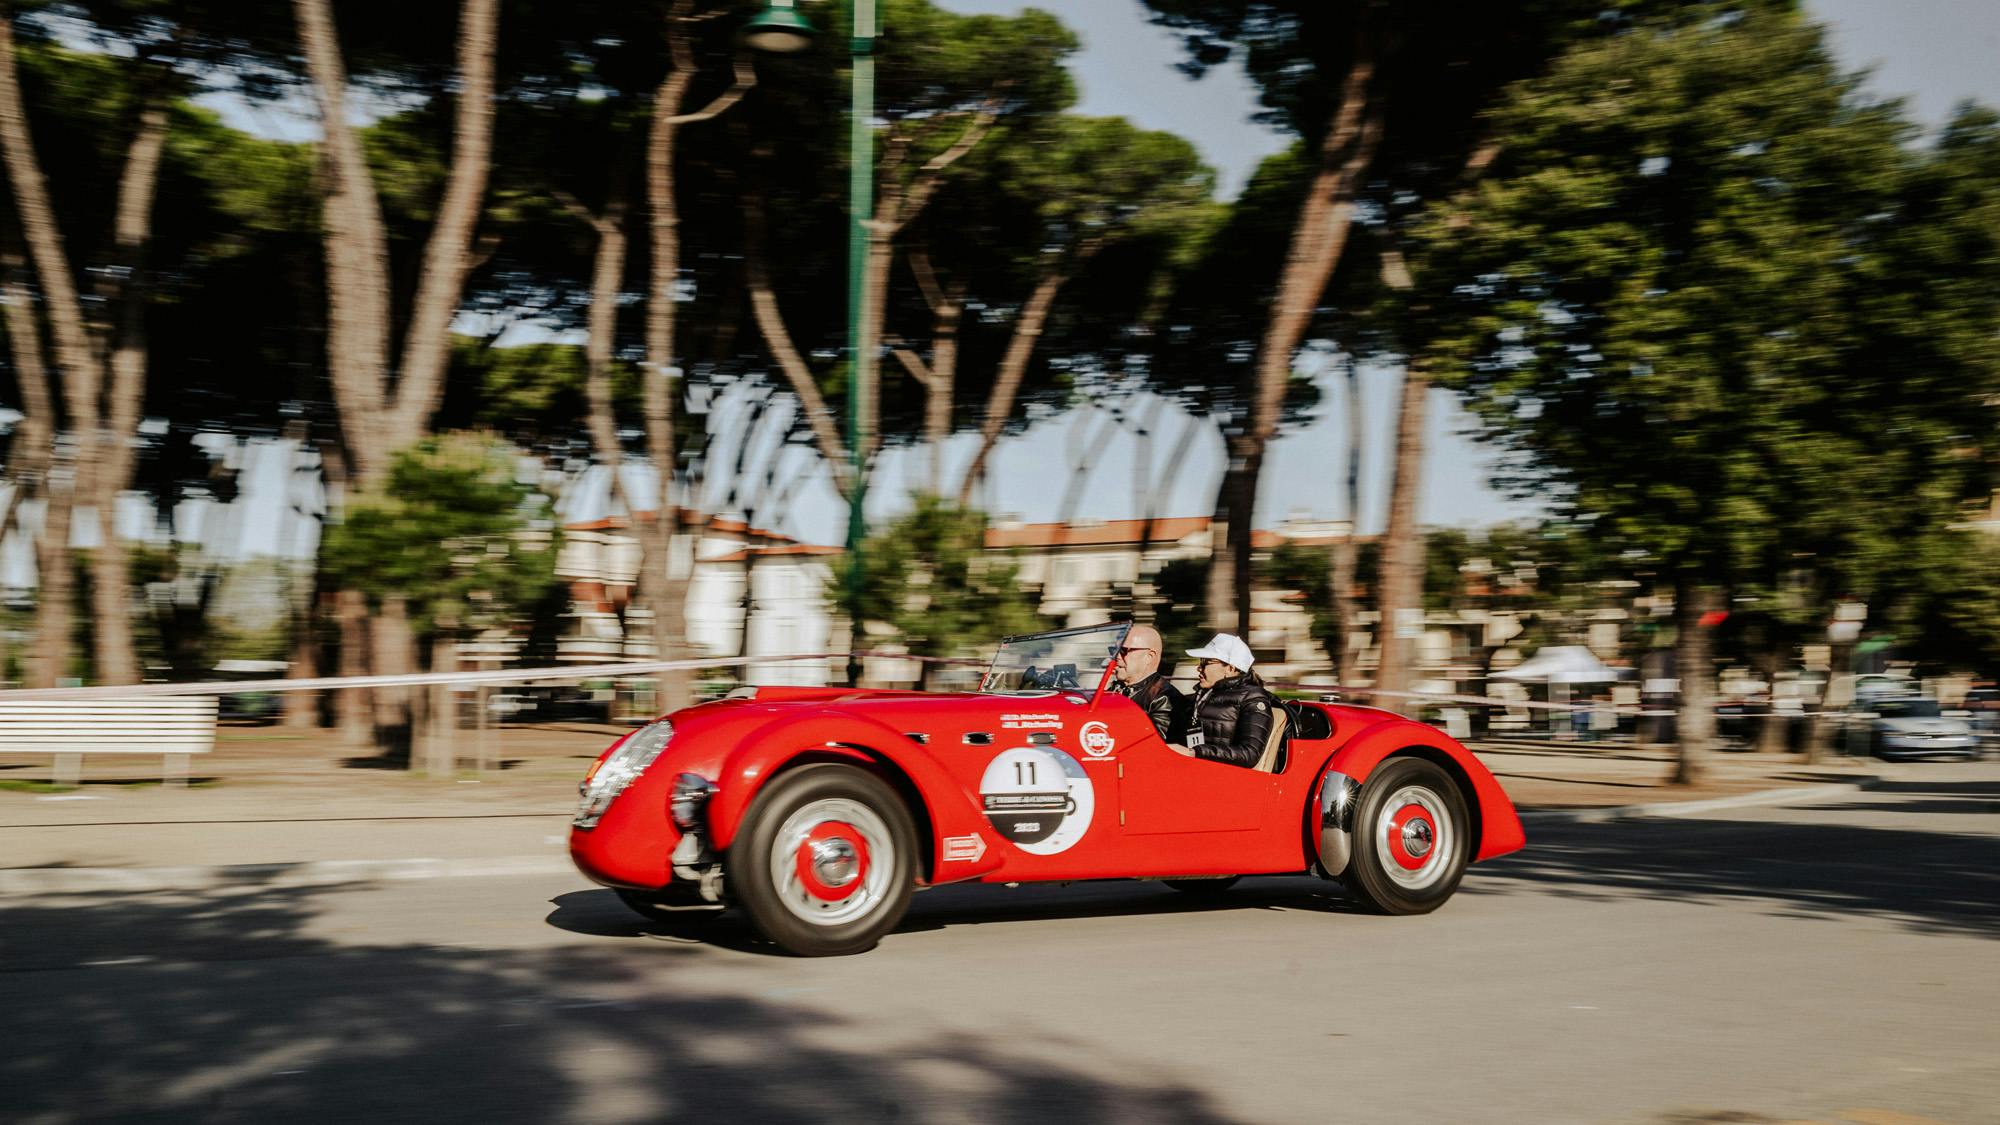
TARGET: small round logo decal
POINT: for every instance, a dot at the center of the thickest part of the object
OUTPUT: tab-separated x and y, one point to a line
1096	740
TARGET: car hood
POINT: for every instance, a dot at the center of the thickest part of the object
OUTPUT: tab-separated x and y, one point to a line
890	706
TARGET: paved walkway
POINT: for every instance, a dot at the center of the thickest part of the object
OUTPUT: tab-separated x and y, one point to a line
271	797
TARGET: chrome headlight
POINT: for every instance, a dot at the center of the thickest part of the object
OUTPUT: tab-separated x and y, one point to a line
619	770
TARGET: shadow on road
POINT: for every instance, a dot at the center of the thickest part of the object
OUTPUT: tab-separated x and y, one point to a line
975	905
1941	797
598	913
1933	881
227	1007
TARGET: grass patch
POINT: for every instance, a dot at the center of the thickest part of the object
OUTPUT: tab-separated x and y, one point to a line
12	785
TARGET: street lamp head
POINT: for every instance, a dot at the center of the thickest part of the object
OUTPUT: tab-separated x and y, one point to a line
778	30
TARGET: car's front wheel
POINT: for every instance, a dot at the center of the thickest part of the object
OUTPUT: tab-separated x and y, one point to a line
825	861
1411	838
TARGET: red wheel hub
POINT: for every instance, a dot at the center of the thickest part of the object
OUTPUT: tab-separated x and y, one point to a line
1412	837
832	860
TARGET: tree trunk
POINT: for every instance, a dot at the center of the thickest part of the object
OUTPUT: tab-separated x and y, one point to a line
868	346
79	375
1013	369
1694	663
940	376
448	255
34	469
771	325
1341	573
1774	733
659	586
111	594
375	421
607	272
354	707
440	726
53	611
82	376
1825	730
1318	238
1229	560
103	416
663	582
940	388
357	257
1401	582
301	708
393	647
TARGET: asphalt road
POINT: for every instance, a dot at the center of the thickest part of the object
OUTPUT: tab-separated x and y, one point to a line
1835	962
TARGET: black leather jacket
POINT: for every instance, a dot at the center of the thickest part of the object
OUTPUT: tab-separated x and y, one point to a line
1164	703
1234	718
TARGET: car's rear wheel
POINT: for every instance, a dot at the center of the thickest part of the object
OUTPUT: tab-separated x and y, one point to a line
1203	888
1411	838
825	861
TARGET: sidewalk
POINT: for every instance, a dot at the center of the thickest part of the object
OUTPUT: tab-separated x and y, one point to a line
266	797
1582	777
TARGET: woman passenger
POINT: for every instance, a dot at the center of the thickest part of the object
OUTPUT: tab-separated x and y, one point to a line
1232	708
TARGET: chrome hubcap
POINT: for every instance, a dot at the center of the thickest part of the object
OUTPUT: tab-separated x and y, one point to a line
834	862
845	848
1416	837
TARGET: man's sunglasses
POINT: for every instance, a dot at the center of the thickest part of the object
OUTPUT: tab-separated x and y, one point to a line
1123	651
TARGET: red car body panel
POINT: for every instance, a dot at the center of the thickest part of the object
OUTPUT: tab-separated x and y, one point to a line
1024	787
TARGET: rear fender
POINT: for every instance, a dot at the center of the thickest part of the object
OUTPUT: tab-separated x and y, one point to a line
963	846
1496	825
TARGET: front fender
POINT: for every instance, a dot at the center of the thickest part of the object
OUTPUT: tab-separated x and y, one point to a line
1500	829
963	846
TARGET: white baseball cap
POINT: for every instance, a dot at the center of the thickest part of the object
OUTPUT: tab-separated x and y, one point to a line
1227	648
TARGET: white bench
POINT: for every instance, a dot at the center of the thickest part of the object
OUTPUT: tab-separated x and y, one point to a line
173	725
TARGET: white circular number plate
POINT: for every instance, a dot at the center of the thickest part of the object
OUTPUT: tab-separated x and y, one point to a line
1038	798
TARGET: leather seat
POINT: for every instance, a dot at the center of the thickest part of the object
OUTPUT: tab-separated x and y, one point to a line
1273	758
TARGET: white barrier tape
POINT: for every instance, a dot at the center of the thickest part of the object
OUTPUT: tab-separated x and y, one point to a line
631	670
639	669
1497	701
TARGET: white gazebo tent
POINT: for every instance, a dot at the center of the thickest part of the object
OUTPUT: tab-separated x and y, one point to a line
1559	666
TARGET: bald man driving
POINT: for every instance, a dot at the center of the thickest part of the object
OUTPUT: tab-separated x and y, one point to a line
1137	676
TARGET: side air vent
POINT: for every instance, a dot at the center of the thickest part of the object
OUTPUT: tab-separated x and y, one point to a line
917	736
978	738
1042	738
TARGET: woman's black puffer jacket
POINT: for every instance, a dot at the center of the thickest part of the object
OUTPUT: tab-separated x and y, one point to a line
1234	718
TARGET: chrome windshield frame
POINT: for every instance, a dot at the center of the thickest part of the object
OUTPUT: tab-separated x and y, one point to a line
1088	686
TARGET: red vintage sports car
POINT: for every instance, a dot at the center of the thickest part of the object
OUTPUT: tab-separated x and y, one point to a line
819	810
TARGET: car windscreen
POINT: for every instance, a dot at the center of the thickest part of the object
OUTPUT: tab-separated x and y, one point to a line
1906	708
1066	660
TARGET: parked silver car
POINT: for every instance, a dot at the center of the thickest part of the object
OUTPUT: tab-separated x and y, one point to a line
1909	727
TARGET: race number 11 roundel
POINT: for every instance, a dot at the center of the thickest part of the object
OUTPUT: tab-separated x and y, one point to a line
1038	798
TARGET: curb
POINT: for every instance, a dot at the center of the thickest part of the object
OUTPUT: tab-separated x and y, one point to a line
1782	796
268	876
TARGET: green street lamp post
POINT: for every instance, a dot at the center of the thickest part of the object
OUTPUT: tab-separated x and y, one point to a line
779	29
